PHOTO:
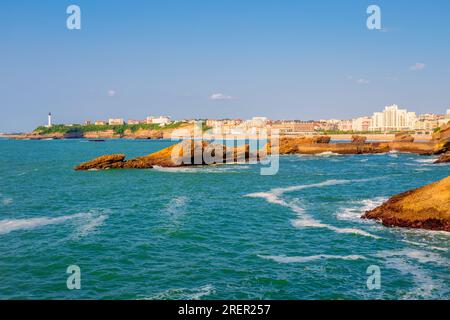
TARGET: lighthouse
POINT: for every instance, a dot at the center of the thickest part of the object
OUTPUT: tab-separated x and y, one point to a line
49	120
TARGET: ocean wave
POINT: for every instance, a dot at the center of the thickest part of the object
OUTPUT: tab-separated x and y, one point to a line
176	207
420	256
357	208
184	293
91	222
9	225
299	259
426	161
7	201
304	220
425	286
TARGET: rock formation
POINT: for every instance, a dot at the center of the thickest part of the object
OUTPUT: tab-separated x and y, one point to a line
358	139
185	153
427	207
113	161
403	137
444	158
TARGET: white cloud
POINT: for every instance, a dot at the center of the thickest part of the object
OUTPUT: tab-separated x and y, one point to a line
220	96
418	66
111	93
362	81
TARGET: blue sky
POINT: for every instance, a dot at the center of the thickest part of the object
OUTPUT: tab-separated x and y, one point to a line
281	59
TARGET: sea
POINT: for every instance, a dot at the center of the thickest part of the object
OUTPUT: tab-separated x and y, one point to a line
217	232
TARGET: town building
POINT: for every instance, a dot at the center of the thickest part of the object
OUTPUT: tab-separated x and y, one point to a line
361	124
116	122
345	125
161	120
100	123
393	119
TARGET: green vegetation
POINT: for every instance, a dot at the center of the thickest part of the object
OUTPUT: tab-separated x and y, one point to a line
118	129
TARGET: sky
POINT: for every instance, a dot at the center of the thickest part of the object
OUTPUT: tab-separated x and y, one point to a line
288	59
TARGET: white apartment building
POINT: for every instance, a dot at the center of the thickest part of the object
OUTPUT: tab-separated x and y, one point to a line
393	119
116	122
161	120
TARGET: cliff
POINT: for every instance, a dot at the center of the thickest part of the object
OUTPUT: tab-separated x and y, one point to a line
427	207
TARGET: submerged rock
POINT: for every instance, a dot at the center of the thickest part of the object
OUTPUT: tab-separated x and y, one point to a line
427	207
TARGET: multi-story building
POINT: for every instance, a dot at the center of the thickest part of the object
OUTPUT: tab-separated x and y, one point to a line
361	124
345	125
393	119
100	123
116	122
161	120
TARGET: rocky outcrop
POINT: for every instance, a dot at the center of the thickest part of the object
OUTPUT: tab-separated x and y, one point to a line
113	161
441	139
358	139
427	207
444	158
403	137
185	153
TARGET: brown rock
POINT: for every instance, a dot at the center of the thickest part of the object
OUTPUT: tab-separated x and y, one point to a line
403	137
358	139
427	207
444	158
105	162
185	153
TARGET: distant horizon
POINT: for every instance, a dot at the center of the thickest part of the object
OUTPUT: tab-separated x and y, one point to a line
221	59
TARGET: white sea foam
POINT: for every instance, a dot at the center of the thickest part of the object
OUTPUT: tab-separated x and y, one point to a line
176	207
357	208
425	286
304	220
9	225
327	154
234	168
298	259
7	201
88	222
184	293
427	160
91	223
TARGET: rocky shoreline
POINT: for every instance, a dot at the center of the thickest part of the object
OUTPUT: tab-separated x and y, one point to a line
427	207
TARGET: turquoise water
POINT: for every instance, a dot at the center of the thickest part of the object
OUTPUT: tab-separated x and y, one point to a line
222	232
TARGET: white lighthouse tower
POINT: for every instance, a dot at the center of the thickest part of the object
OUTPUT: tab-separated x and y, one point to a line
49	120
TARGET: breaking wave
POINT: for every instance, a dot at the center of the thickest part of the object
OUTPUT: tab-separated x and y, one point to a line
90	221
354	212
9	225
425	286
303	219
